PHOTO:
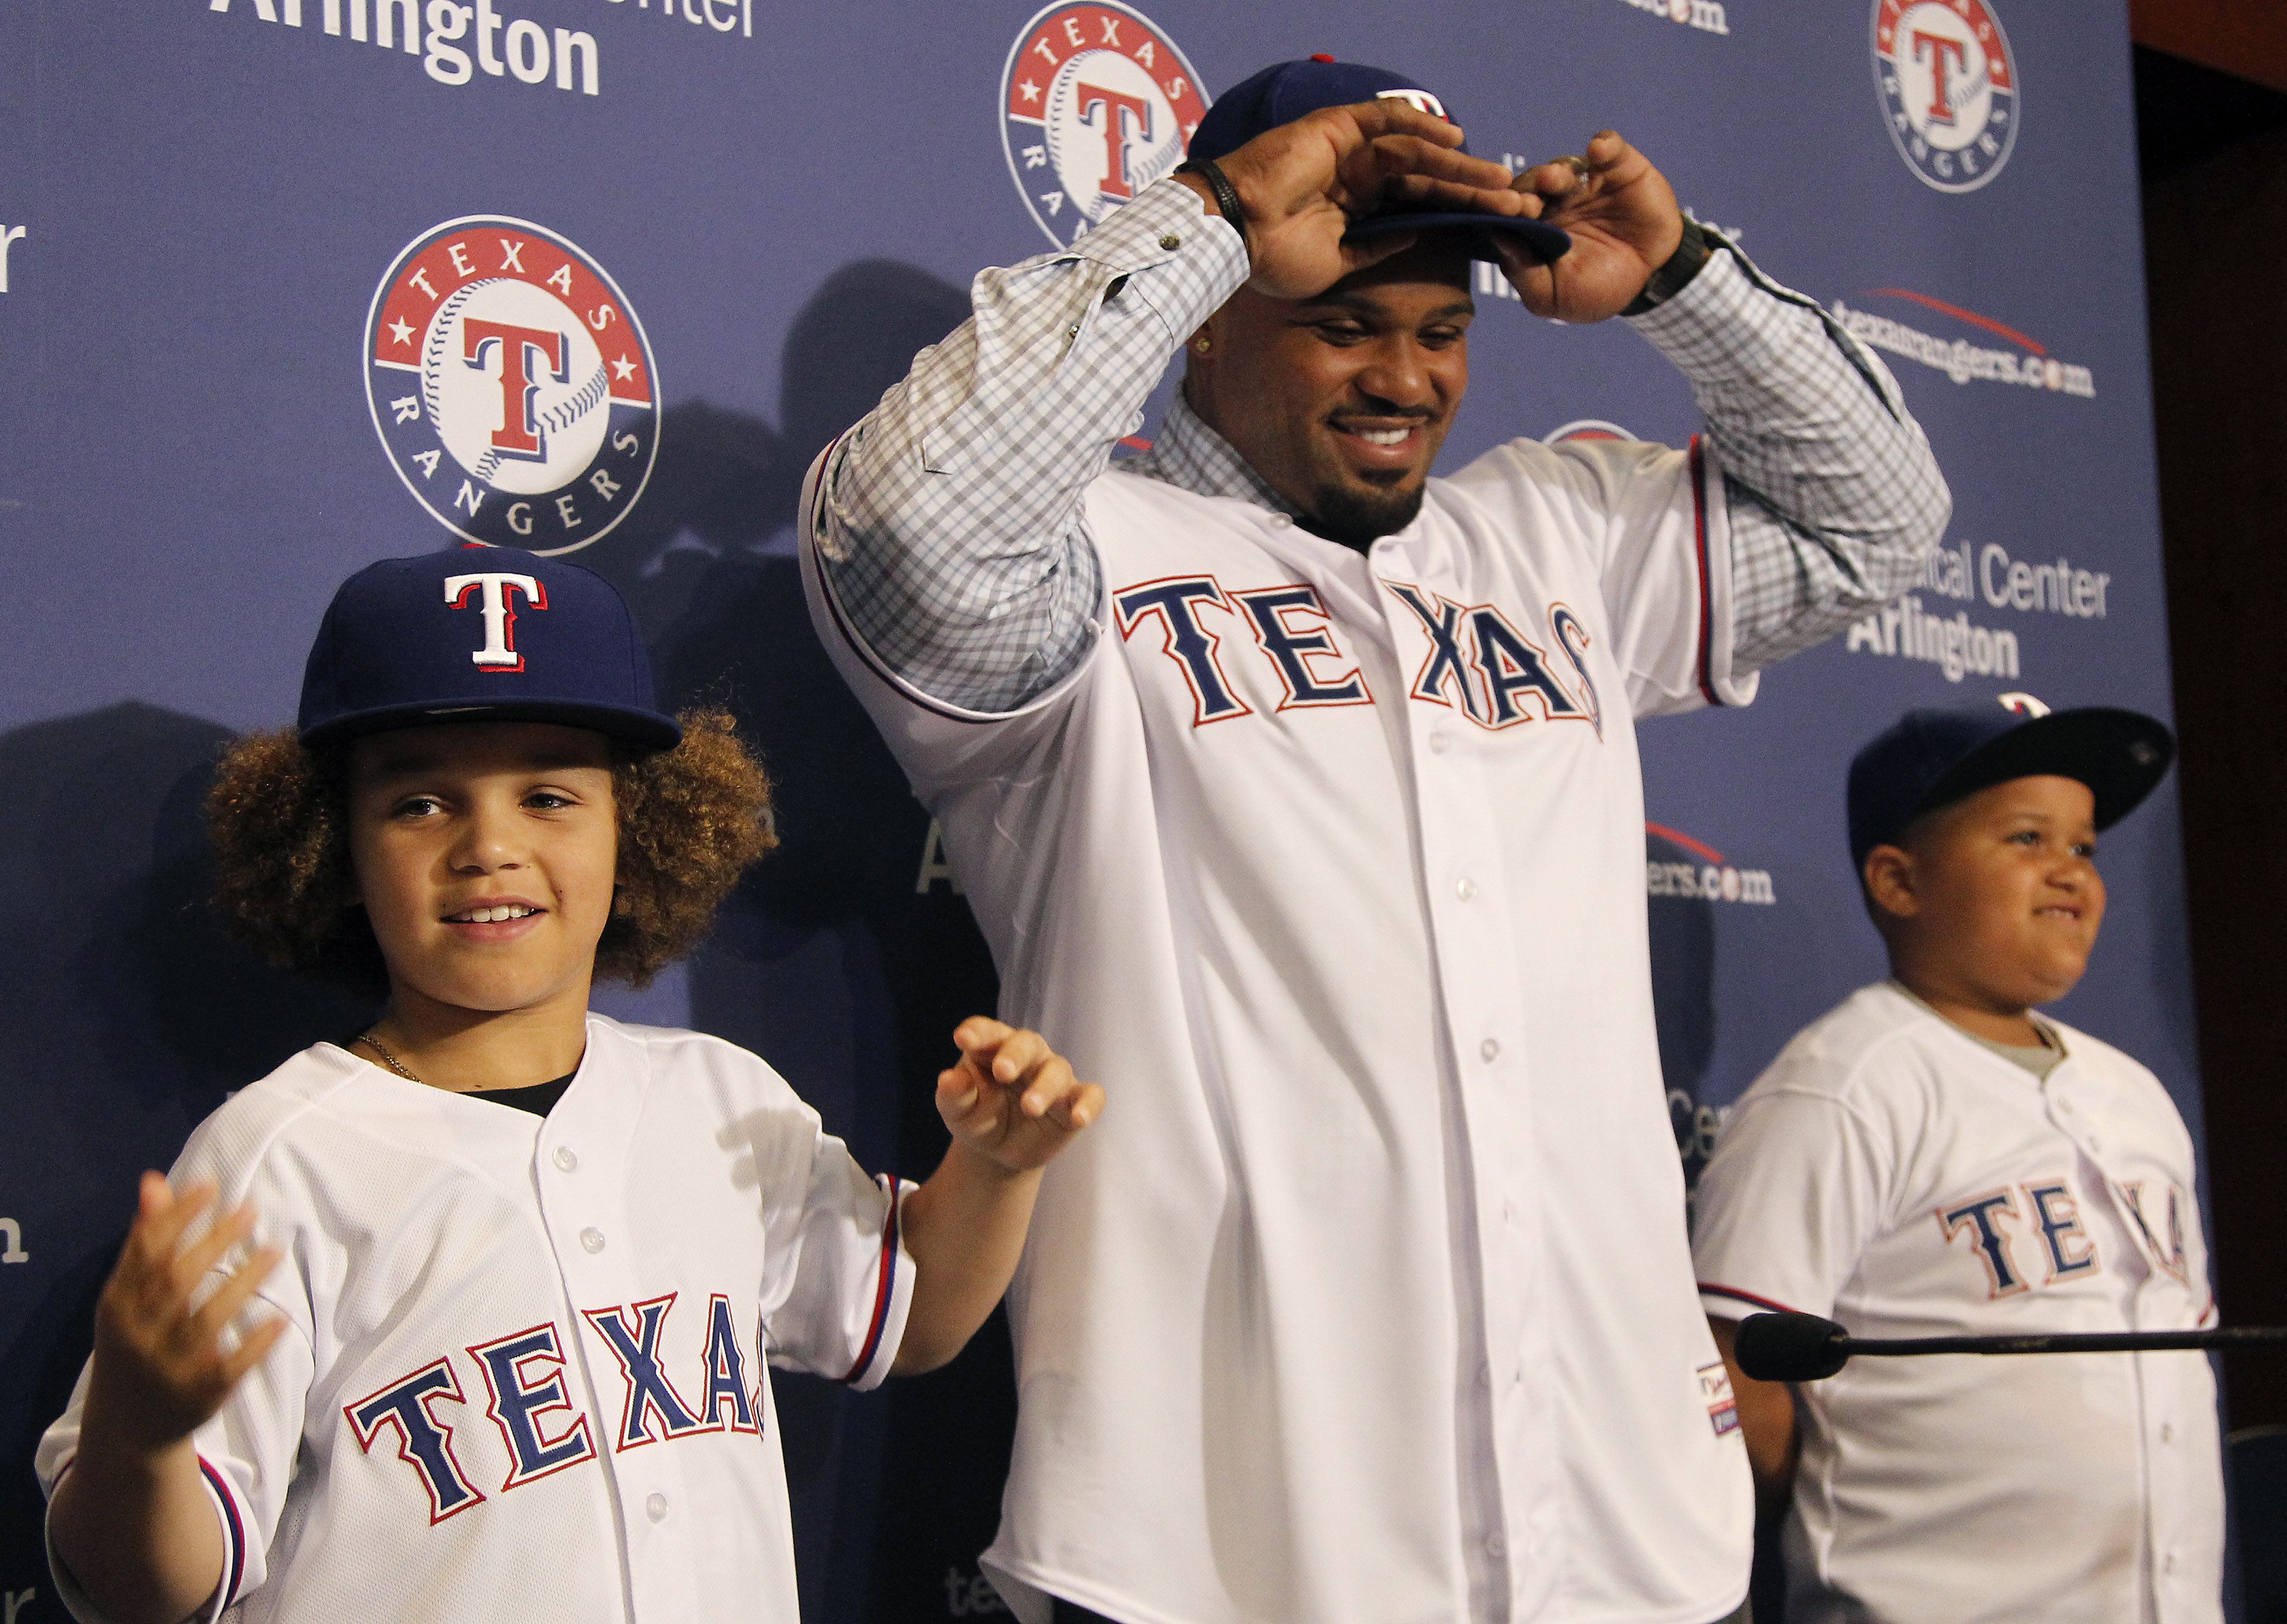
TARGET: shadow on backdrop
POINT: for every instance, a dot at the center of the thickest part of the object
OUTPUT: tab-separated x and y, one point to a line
839	960
1682	931
128	1017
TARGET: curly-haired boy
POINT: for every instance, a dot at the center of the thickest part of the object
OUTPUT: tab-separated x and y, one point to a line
398	1335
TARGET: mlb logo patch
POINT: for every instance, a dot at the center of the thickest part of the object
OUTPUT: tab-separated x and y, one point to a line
1715	1393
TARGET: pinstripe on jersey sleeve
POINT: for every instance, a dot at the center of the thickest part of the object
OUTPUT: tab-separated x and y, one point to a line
950	520
1834	499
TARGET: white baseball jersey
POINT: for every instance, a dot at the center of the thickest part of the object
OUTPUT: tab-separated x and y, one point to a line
1369	1298
1891	1173
524	1373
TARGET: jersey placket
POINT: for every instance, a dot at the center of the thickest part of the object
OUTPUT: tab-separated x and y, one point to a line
578	1166
1508	1490
2156	1302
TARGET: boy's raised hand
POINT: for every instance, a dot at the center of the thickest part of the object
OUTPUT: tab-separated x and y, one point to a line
160	1367
1010	1097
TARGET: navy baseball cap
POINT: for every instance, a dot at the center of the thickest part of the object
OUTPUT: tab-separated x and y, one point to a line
480	634
1285	91
1932	759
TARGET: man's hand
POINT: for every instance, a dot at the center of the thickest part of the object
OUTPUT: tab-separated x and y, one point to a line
1304	182
160	1368
1624	220
1010	1097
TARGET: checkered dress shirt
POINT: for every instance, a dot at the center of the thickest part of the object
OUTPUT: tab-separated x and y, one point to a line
952	522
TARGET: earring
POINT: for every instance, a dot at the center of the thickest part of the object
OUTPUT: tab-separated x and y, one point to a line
1202	345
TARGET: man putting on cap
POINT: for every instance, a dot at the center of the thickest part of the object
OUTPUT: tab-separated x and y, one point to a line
1298	791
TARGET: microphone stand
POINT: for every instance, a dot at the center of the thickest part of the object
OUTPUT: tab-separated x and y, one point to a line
1796	1347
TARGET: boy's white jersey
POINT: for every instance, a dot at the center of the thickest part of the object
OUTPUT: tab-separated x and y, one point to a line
1890	1172
524	1375
1369	1298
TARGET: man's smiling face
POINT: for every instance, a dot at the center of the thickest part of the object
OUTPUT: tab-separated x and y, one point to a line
1340	402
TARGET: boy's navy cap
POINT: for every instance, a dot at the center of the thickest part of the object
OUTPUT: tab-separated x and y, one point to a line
1932	759
1285	91
480	634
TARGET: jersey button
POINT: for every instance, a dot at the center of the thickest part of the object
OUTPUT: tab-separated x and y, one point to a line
564	1159
1440	742
592	1239
2168	1563
1464	888
656	1507
1496	1545
2167	1431
1489	1051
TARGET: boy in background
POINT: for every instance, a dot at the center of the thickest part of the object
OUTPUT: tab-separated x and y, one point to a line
1933	1157
468	1316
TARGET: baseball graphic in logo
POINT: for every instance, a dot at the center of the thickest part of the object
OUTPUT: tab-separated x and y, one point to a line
511	385
1949	89
1096	103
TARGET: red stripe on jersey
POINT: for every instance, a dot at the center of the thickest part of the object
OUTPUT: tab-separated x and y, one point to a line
1699	555
1764	1303
886	1277
233	1532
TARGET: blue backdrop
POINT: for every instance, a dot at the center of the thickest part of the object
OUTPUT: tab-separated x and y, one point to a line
216	403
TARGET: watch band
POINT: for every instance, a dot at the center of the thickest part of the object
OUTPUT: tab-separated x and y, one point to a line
1680	268
1226	195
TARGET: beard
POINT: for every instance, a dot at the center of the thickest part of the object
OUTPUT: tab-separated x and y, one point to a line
1358	516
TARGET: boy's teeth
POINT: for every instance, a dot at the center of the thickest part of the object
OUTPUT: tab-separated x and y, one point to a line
1383	436
492	916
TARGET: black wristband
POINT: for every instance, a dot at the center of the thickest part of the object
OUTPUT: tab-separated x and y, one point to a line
1226	195
1681	266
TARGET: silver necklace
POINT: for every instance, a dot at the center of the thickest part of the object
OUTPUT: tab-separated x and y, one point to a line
387	1059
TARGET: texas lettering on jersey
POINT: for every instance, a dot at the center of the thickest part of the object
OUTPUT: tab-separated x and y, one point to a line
2048	1212
1992	1220
2163	1240
1477	660
529	1399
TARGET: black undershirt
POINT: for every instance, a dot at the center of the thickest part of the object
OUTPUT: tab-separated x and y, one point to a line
539	1099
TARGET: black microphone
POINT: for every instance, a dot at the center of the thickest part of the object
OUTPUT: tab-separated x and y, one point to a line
1791	1347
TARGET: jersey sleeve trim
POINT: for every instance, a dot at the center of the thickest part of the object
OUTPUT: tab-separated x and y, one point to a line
233	1537
1762	1305
892	1295
1715	672
1706	595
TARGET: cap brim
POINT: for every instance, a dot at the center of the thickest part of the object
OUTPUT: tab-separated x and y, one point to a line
1544	242
2121	756
644	730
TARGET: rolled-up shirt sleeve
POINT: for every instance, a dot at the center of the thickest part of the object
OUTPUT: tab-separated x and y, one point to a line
1834	501
948	522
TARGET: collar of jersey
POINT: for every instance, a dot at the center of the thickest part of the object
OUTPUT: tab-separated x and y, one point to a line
1191	456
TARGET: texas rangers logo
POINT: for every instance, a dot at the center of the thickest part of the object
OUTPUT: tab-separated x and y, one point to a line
511	385
1949	89
1096	104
